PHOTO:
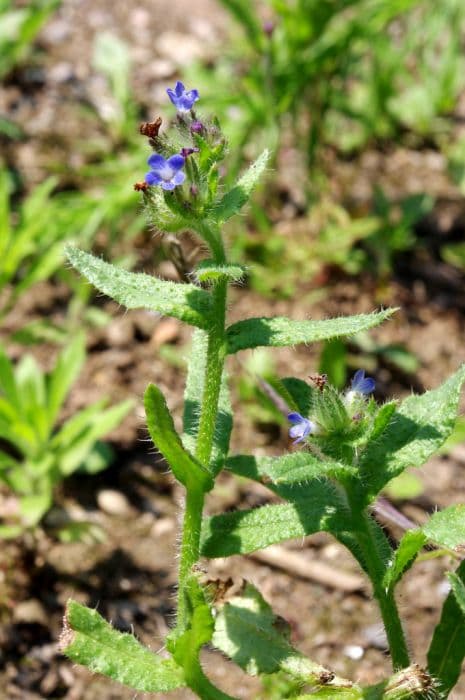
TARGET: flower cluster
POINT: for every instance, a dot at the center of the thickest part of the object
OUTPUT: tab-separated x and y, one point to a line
167	172
302	427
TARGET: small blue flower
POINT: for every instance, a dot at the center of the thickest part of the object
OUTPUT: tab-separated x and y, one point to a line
166	173
182	99
362	384
302	427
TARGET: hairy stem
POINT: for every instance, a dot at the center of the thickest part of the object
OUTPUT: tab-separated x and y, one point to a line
189	552
216	353
373	550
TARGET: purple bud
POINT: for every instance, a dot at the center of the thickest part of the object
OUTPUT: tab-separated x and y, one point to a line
268	27
197	127
188	151
194	190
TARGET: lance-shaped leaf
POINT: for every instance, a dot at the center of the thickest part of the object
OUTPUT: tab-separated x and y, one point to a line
184	466
209	271
447	649
233	201
89	640
445	528
294	468
192	404
280	331
244	531
247	630
414	432
136	290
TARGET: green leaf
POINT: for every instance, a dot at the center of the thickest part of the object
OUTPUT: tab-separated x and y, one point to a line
192	404
8	382
333	362
294	468
200	626
78	438
280	331
209	271
458	589
447	649
160	424
247	630
300	395
243	531
89	640
414	432
405	555
136	290
445	528
234	200
63	375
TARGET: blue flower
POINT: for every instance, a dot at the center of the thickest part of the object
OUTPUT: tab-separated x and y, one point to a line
182	99
302	427
166	173
362	384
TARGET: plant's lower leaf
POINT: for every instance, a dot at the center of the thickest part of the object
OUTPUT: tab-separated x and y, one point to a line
447	649
89	640
294	468
245	531
247	630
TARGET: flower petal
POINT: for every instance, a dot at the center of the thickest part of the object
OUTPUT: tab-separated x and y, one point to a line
179	177
193	95
294	418
176	162
168	185
156	161
179	88
171	95
152	178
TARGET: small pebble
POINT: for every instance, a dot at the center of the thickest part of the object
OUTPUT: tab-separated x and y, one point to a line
113	502
353	651
30	611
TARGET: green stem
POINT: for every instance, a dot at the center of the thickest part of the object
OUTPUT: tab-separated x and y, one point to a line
189	552
216	353
200	684
375	566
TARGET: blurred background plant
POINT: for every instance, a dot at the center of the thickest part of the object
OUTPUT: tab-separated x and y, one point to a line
336	74
37	453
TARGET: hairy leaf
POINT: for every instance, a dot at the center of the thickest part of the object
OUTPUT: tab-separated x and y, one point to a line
136	290
280	331
244	531
447	649
89	640
160	424
458	589
299	394
192	403
445	528
405	555
247	630
414	432
233	201
294	468
209	271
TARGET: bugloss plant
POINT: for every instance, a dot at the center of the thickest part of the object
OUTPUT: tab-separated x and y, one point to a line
349	449
36	454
